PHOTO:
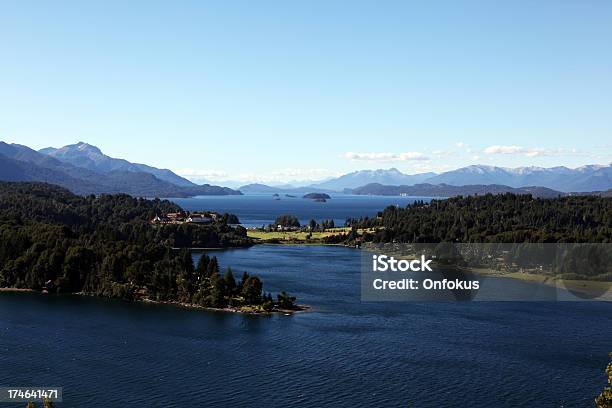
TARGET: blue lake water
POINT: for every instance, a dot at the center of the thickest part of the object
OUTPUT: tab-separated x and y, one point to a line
344	353
262	209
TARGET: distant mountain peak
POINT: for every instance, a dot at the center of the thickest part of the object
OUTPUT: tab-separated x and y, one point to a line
83	169
362	177
88	156
78	148
560	178
86	147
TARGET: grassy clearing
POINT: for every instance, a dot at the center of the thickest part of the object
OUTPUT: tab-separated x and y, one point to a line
297	236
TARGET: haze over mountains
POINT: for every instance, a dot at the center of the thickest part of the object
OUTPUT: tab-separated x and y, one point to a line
84	169
585	178
445	190
582	179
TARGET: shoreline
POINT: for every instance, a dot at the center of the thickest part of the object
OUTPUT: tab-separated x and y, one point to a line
17	290
228	309
595	290
591	289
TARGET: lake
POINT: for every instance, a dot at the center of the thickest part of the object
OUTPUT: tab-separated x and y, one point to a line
255	210
343	353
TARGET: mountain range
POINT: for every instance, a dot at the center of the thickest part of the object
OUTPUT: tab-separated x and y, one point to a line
581	179
363	177
90	157
562	179
445	190
84	169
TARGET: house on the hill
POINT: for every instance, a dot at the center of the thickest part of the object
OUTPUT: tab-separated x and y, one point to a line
176	217
158	220
199	219
170	218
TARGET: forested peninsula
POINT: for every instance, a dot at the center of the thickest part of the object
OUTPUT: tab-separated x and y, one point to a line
508	218
54	241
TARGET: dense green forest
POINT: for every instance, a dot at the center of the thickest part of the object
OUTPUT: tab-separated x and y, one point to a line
53	240
286	220
492	218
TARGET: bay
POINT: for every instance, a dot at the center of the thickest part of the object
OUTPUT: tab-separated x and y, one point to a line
343	353
255	210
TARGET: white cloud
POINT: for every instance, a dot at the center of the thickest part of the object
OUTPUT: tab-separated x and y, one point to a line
385	157
530	151
460	144
503	149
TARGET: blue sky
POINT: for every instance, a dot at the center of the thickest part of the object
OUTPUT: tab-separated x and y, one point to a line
277	90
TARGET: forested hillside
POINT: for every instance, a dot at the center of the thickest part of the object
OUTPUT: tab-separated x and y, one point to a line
495	218
51	239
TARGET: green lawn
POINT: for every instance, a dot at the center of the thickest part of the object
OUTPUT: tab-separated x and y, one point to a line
296	235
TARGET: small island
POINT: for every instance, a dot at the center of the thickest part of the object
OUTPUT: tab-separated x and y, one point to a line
318	197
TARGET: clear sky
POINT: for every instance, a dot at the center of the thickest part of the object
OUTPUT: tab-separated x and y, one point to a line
282	90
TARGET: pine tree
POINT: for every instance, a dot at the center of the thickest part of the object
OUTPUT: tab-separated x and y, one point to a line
230	281
251	291
213	266
202	267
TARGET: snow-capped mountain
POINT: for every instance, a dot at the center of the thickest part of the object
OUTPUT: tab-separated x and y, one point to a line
585	178
360	178
581	179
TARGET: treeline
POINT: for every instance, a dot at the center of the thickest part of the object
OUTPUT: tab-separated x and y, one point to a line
205	286
53	240
492	218
287	220
291	221
313	225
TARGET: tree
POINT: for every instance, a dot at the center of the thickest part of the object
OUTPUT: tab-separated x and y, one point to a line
218	291
251	291
186	280
244	278
77	264
285	301
202	267
287	220
230	281
186	260
312	224
604	400
213	266
267	303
